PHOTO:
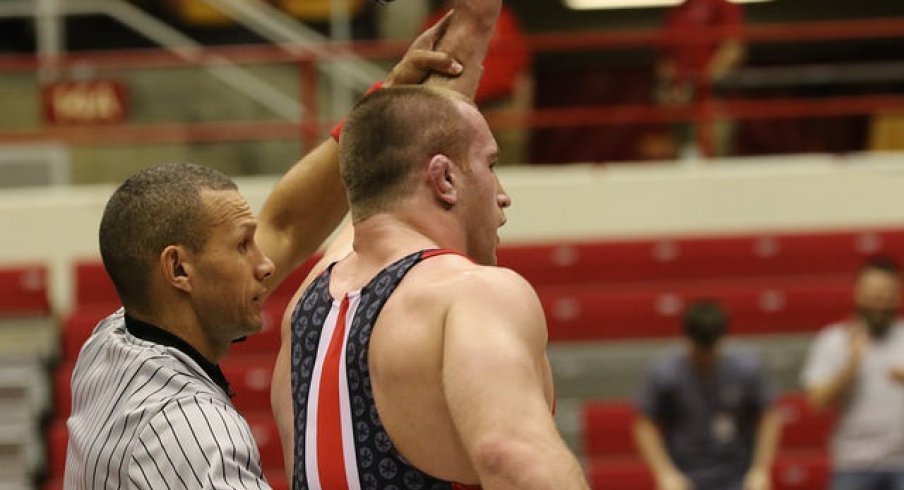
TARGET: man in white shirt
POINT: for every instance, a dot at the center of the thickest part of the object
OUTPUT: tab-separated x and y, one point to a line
857	366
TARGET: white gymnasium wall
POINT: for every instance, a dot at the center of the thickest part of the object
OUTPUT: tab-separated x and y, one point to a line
58	225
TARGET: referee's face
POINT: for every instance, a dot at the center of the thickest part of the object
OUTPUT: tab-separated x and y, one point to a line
228	288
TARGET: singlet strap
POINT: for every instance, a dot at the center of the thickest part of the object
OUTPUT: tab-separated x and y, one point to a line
435	252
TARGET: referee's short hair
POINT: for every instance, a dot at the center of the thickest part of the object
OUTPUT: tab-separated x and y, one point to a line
154	208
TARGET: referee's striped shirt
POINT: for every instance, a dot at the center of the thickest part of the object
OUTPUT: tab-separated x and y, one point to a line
149	412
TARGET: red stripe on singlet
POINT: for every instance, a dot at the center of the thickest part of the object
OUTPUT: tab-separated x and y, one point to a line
330	457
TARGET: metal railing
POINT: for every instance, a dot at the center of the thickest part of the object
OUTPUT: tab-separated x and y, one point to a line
310	124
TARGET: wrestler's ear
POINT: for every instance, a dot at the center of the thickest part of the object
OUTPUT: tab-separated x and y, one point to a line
175	262
443	179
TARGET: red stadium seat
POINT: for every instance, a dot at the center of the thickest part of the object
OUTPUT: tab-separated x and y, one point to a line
276	477
57	439
93	286
62	390
700	257
53	484
803	427
619	474
796	471
802	462
78	325
23	291
653	310
268	339
608	428
249	376
290	284
809	470
263	427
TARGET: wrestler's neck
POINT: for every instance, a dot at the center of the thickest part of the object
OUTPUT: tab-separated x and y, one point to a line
385	237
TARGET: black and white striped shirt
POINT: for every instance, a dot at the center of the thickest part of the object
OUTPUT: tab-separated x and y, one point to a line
149	412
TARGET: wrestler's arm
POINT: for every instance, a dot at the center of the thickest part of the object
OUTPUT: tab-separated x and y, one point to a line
497	384
466	40
308	202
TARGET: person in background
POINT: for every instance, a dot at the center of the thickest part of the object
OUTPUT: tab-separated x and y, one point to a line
688	70
857	367
706	419
507	85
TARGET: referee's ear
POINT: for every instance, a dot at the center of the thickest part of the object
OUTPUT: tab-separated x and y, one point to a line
176	270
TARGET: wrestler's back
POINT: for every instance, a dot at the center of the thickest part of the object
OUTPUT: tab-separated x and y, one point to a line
405	360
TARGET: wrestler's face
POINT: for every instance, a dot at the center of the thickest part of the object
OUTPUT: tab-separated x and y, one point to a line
484	198
227	287
878	297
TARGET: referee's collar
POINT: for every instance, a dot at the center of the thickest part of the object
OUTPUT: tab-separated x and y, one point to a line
157	335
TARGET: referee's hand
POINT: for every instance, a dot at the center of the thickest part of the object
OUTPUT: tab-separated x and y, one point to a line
420	59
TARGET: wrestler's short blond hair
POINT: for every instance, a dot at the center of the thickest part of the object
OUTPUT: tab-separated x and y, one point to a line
390	133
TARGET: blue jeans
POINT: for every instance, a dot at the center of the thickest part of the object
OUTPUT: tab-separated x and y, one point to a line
868	480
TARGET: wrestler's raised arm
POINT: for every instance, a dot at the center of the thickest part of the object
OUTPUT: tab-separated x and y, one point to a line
466	39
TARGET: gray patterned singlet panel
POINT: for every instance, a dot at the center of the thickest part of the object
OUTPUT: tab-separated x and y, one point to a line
379	465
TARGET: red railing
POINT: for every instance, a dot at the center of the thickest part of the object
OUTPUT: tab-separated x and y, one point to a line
703	111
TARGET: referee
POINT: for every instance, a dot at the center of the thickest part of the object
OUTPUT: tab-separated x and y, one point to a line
192	266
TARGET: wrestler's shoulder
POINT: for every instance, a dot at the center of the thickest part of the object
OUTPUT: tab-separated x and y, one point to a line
460	275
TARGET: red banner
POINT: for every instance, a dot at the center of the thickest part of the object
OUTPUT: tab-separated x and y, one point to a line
84	103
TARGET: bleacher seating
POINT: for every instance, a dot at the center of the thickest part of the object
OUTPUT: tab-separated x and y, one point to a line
28	344
774	306
778	287
608	428
620	474
93	287
701	257
23	291
801	471
790	472
771	283
802	462
803	427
